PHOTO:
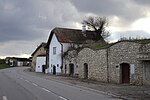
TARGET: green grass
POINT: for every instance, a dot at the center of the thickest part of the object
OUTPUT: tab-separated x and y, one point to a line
98	46
143	41
3	65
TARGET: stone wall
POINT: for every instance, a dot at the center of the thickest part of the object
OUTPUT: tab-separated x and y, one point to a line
106	64
124	52
70	57
96	61
144	57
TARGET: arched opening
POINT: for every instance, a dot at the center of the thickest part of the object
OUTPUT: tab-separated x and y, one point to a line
125	73
54	69
85	70
71	71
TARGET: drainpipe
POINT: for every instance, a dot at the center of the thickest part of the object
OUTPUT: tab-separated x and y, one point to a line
47	59
61	55
107	65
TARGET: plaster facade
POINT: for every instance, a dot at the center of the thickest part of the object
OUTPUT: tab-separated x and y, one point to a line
39	51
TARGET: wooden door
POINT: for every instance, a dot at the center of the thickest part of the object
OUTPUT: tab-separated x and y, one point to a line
125	73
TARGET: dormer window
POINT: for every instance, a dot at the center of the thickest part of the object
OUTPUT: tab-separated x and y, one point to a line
54	50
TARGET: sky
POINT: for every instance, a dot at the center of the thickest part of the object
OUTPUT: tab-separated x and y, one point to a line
24	24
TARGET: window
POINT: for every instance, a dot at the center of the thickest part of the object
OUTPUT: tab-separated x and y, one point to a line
54	50
57	65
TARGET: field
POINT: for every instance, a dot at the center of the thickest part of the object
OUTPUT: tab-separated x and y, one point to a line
3	65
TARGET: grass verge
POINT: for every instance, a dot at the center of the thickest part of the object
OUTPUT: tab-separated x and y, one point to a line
2	66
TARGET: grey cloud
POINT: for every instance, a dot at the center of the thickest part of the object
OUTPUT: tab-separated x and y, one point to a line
29	19
142	2
129	34
16	22
126	10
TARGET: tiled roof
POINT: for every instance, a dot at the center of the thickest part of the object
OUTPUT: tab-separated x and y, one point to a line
65	35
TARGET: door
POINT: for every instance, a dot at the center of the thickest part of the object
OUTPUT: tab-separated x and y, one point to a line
85	70
54	69
125	73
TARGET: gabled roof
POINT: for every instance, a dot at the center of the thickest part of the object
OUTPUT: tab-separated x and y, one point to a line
20	59
65	35
41	45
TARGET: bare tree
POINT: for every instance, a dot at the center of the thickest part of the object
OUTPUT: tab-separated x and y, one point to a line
98	24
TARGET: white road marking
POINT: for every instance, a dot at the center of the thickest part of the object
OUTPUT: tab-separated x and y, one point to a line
62	98
34	84
5	98
26	80
46	90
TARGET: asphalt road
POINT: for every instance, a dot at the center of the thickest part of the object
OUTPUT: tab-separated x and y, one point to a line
16	84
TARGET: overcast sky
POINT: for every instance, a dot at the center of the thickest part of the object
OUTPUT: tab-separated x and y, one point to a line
24	24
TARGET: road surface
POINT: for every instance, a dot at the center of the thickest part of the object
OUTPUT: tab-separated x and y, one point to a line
16	84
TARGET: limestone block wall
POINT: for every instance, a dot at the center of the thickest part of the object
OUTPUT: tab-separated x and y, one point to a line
124	52
105	64
145	58
96	61
70	58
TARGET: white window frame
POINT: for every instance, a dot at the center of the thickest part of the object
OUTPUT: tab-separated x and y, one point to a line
54	50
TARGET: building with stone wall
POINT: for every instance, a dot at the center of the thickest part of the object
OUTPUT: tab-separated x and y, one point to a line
39	51
93	64
144	58
70	62
123	66
122	62
59	42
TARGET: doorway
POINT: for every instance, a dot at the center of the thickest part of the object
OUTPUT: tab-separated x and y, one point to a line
71	71
54	70
43	68
125	73
85	70
146	72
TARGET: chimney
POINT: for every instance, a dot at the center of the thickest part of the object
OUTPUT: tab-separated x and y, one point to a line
84	29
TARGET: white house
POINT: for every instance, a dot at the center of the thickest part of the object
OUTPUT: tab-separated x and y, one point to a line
40	64
20	63
17	62
39	51
60	40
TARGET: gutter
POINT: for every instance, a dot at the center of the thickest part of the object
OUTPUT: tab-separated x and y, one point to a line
61	56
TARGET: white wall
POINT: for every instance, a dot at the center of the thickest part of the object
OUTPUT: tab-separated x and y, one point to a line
39	62
56	59
19	63
11	62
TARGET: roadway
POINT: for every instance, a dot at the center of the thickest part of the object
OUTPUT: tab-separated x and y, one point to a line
16	84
